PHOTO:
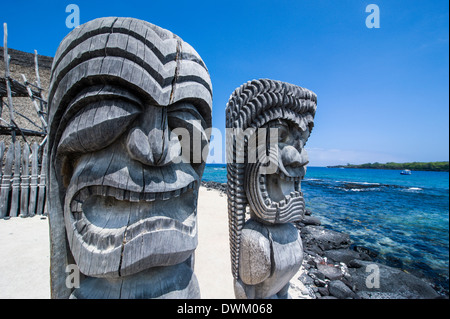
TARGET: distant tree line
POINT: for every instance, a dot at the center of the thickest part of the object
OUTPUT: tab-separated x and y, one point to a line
413	166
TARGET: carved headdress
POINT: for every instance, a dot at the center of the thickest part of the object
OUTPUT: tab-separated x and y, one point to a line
257	104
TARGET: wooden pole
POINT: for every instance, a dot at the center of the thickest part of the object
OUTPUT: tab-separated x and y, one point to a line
38	110
8	85
25	181
41	186
2	151
36	69
5	187
38	82
15	193
33	181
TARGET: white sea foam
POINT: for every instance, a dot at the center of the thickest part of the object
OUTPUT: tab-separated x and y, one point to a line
367	183
414	189
363	189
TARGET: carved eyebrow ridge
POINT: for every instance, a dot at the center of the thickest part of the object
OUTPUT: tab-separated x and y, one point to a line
186	107
98	93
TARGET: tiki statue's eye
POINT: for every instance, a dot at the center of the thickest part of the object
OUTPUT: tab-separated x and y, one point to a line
283	133
97	126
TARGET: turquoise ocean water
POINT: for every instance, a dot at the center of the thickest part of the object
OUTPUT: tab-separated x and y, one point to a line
403	218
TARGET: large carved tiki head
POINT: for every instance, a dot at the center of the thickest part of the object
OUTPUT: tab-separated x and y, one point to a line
268	124
122	200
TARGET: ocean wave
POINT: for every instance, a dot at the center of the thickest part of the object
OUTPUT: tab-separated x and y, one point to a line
359	183
413	189
356	186
363	189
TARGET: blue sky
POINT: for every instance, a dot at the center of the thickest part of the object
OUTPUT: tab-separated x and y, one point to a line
382	92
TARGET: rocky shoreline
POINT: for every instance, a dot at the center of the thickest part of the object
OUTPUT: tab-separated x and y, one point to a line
334	269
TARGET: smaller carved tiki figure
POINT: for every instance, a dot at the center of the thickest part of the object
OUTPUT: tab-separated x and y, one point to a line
268	124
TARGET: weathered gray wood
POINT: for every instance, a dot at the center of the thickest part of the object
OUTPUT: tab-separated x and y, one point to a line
179	283
33	181
125	209
6	181
42	101
25	181
36	106
16	181
42	186
8	85
2	152
266	251
36	69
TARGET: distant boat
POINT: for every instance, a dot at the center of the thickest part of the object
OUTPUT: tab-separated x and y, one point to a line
406	172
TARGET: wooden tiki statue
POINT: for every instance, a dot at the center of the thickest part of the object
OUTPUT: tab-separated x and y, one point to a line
268	123
125	99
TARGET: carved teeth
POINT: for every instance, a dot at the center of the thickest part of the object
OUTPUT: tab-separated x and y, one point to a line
150	197
116	193
176	193
134	197
264	193
76	207
124	195
119	195
289	178
80	224
83	194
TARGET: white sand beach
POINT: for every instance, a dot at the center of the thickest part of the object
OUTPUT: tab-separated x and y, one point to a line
24	258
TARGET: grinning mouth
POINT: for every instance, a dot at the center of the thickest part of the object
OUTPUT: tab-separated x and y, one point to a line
115	232
282	195
120	211
278	190
276	198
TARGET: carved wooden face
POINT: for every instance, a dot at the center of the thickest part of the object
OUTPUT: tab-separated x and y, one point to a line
277	197
130	200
